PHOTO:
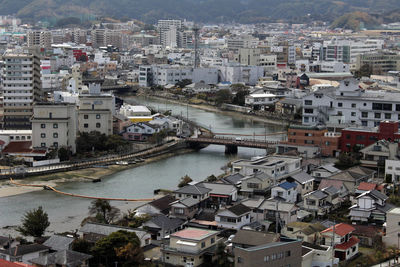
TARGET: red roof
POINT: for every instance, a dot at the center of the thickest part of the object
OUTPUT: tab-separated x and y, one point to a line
22	147
341	229
345	246
366	186
4	263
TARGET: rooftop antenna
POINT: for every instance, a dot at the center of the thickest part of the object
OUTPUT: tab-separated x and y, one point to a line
196	48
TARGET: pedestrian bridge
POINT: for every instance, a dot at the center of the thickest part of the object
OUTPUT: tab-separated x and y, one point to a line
231	144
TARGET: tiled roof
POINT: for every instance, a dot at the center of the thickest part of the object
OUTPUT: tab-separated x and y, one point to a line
192	190
59	242
344	246
63	258
341	229
287	185
239	209
4	263
366	186
24	249
302	177
162	203
22	147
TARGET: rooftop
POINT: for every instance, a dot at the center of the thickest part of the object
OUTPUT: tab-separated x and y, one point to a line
194	233
341	229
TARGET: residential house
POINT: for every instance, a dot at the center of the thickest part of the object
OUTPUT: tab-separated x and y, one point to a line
284	252
256	184
185	208
308	232
59	242
93	232
392	236
158	206
277	167
340	235
7	242
285	191
24	253
261	101
375	155
353	177
193	191
120	122
233	179
64	258
160	226
365	187
220	194
317	255
371	207
339	185
191	247
369	235
288	106
273	209
323	171
304	181
140	131
234	217
321	202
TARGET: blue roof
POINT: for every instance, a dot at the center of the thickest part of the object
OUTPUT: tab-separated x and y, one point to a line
287	185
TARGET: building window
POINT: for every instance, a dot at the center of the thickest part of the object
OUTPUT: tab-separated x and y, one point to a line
97	116
308	110
308	102
364	114
55	135
353	114
42	125
364	123
388	116
86	117
55	125
43	144
353	105
43	135
212	240
377	115
98	125
239	260
340	104
203	244
55	144
86	125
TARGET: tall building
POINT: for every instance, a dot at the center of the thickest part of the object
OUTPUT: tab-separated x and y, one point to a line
113	37
21	88
170	32
39	39
379	62
98	37
79	36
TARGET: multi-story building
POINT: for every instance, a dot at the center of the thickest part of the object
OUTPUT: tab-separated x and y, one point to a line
170	32
79	36
21	88
190	247
96	113
379	62
248	56
245	41
39	39
98	37
350	104
236	73
347	50
54	126
114	38
392	236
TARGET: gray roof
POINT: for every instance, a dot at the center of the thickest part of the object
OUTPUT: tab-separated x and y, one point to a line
192	190
217	188
59	242
107	229
330	190
232	179
378	194
329	167
302	177
66	258
239	209
318	194
24	249
188	202
166	223
254	238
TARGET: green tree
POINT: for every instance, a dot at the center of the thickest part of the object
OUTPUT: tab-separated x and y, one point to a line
211	178
82	246
104	212
221	256
185	180
364	71
107	249
34	223
64	154
223	96
240	97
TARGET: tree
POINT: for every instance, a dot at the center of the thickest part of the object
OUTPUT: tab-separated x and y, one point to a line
82	246
185	180
183	83
221	257
211	178
103	211
365	71
64	154
223	96
240	97
114	248
34	223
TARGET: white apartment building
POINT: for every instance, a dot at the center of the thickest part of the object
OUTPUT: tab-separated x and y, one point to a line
235	73
21	88
260	101
95	113
392	169
348	50
350	104
245	41
54	125
268	62
392	236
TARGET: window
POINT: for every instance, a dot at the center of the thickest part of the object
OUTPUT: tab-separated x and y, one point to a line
55	125
287	254
308	110
353	114
43	144
308	102
55	135
43	135
178	210
203	244
364	114
97	116
340	104
42	125
212	240
239	260
353	105
377	115
364	123
86	125
98	125
266	258
86	117
55	144
388	116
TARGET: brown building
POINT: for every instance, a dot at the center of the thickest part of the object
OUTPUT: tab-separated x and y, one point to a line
311	140
286	252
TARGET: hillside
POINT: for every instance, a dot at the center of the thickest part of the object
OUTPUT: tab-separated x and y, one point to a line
355	21
244	11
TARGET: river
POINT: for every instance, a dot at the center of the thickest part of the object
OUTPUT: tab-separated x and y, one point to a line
66	213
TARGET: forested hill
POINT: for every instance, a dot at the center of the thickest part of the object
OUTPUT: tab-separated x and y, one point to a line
242	11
